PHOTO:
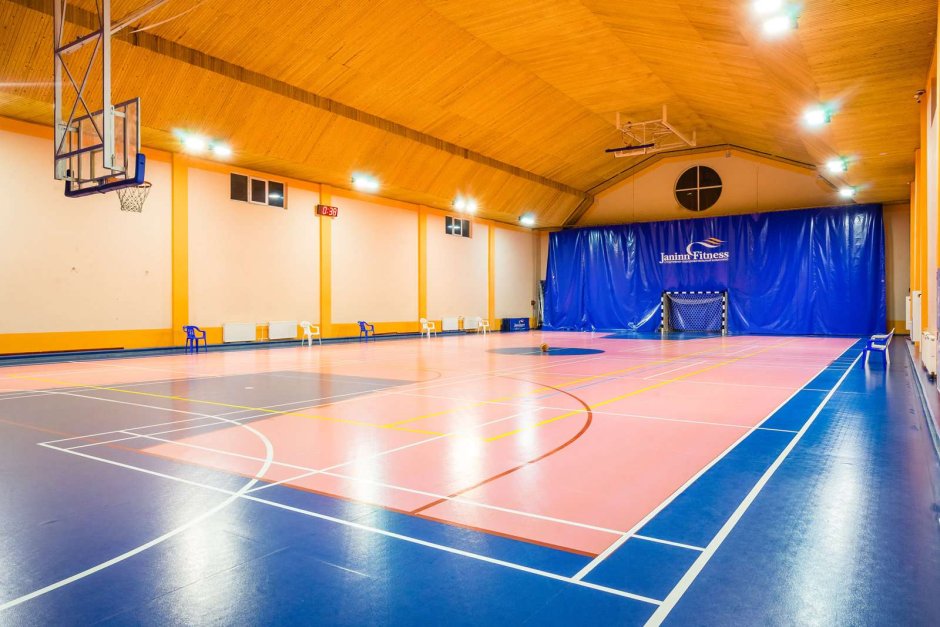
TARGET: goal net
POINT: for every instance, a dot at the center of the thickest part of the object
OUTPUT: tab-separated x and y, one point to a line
695	312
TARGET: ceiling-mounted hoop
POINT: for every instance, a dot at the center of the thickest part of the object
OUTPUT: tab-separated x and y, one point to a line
96	143
643	138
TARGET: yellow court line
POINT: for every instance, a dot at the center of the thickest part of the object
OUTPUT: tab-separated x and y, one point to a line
263	410
545	389
633	393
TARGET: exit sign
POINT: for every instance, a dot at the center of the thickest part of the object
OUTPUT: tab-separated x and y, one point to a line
327	210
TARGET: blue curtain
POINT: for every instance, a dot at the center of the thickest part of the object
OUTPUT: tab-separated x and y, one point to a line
815	271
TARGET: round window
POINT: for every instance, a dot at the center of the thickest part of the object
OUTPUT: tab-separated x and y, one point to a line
698	188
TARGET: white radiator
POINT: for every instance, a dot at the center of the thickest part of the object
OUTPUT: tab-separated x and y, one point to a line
450	324
915	315
908	322
471	323
282	330
928	352
238	332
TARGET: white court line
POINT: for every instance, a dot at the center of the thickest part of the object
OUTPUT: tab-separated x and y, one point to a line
620	541
305	403
329	472
233	496
361	527
670	602
683	367
599	412
669	542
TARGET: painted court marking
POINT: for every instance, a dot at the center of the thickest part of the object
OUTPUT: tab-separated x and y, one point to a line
243	493
233	496
679	590
626	536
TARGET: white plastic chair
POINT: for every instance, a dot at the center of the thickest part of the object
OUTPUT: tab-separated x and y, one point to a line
310	331
428	327
484	326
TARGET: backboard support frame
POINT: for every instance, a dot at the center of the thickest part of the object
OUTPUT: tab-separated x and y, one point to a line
97	144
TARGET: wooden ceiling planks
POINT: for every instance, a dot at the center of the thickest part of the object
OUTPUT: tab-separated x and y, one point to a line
526	90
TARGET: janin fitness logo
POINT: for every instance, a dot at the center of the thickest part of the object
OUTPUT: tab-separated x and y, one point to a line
698	252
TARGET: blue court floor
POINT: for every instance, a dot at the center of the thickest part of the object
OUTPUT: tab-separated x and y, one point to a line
828	515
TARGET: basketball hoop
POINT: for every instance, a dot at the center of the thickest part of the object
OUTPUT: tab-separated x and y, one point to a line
132	198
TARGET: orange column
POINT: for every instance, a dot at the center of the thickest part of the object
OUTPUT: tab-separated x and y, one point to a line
326	267
422	262
179	246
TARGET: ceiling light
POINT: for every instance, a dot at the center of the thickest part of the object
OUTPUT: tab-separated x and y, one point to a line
527	219
778	24
194	144
365	183
465	203
816	116
847	192
766	7
220	150
837	166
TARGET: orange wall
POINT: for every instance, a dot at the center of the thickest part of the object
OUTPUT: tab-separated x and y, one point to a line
457	271
375	262
77	264
79	274
515	273
247	262
897	262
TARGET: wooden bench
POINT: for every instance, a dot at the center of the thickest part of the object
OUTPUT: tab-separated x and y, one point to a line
879	343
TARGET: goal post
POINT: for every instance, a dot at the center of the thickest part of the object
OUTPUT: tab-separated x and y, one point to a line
694	312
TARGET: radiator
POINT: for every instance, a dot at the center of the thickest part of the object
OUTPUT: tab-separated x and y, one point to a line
915	315
282	330
908	322
238	332
450	324
928	352
471	323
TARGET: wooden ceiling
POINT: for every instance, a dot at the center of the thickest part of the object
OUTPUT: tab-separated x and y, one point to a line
510	102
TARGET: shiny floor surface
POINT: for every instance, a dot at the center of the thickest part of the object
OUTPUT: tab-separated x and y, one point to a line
472	480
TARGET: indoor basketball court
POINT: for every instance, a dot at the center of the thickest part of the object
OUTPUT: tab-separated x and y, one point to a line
469	313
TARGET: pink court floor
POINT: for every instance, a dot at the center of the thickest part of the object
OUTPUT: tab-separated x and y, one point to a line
568	451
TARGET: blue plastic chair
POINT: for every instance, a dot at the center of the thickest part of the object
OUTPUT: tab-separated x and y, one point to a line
193	335
366	330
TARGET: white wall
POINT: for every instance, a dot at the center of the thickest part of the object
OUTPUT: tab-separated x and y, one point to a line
515	273
457	271
375	262
247	262
78	264
749	184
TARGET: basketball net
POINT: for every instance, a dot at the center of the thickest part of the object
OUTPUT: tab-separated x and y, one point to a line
133	198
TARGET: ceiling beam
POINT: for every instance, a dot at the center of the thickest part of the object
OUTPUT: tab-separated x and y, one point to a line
193	57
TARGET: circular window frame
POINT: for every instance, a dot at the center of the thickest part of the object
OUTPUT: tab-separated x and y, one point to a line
698	208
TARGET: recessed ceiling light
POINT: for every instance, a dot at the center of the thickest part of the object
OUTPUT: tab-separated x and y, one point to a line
465	204
847	192
365	182
816	116
836	165
527	219
194	144
765	7
221	150
778	24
